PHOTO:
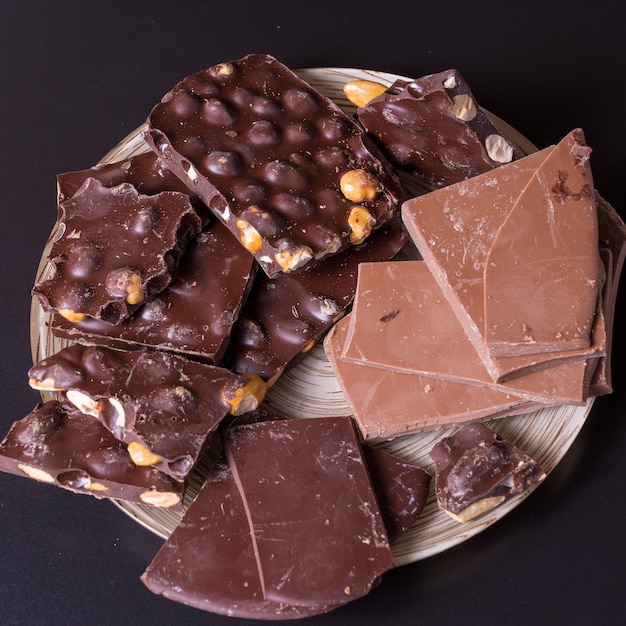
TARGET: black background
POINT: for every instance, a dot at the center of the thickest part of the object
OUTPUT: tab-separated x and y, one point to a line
77	77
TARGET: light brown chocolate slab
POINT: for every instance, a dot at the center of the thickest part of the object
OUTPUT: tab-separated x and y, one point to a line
463	231
388	403
401	320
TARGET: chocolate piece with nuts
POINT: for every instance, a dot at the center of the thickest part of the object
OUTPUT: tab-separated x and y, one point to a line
114	250
283	317
267	152
432	127
194	314
58	444
162	406
476	470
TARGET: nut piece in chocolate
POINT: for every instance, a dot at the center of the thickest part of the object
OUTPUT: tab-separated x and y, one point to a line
114	250
58	444
433	128
162	406
476	470
194	315
266	152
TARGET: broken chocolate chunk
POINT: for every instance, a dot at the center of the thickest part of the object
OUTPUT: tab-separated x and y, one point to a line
476	470
433	128
318	534
519	265
58	444
284	316
194	315
162	406
114	250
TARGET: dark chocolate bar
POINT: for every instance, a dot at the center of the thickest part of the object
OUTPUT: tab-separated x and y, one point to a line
289	173
284	316
476	470
433	128
194	315
162	406
318	534
401	488
114	250
57	444
208	562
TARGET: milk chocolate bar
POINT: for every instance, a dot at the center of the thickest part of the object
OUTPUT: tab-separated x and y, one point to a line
613	249
515	251
209	563
114	250
284	316
289	173
194	315
57	444
476	470
162	406
401	320
434	128
318	533
388	403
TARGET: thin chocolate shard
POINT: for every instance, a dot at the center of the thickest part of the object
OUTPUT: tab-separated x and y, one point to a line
57	444
318	533
387	403
401	488
484	266
208	561
476	470
146	172
266	153
194	315
162	406
613	248
426	338
284	316
114	250
434	128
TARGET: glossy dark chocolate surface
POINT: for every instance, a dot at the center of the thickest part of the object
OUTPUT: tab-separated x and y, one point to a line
194	314
115	249
283	316
434	128
266	152
57	444
167	404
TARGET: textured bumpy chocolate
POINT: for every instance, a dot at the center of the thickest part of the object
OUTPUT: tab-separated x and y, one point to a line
164	407
433	128
516	251
318	534
283	316
475	470
208	562
401	320
267	153
57	444
401	489
146	172
115	249
388	403
194	314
